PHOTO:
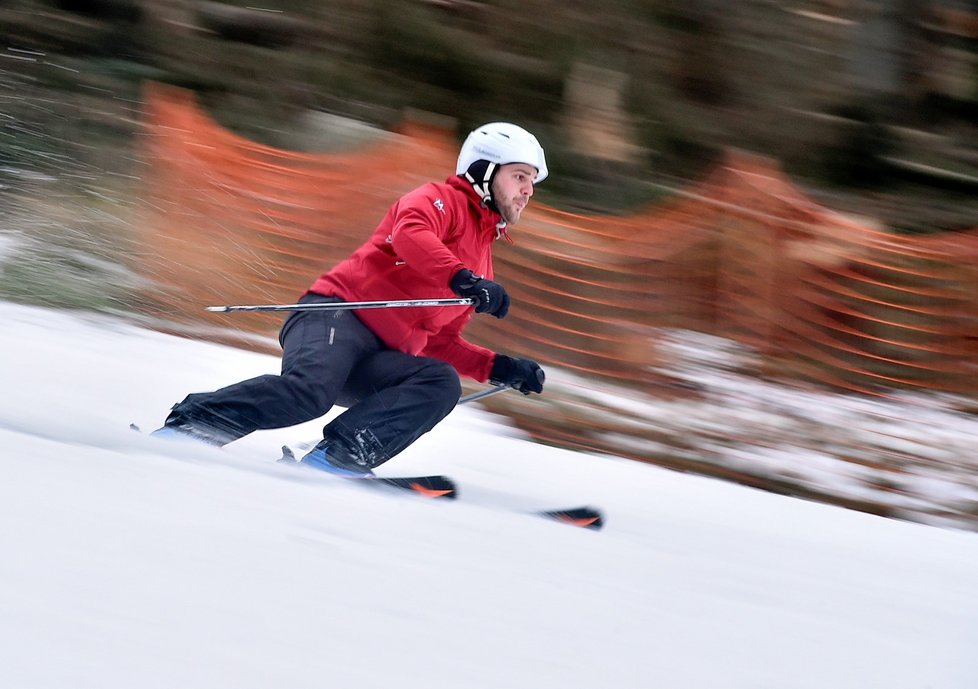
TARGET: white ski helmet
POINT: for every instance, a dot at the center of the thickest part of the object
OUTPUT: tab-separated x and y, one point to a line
495	144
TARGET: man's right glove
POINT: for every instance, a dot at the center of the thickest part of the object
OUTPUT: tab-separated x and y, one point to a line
490	296
523	374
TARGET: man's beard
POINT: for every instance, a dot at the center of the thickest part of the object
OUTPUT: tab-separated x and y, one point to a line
510	212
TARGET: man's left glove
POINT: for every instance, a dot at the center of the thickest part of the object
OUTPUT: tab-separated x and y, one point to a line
490	296
523	374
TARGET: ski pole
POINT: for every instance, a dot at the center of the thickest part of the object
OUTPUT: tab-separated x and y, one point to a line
495	390
348	305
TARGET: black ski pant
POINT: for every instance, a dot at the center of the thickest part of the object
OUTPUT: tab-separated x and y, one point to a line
329	358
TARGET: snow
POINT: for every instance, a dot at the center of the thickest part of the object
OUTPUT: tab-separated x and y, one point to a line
135	563
909	455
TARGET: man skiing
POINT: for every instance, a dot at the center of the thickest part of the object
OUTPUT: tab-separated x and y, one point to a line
395	370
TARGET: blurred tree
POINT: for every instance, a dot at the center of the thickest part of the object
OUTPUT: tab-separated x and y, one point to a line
699	72
671	82
891	57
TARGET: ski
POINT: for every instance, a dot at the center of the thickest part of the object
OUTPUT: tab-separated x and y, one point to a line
438	486
434	486
427	486
582	517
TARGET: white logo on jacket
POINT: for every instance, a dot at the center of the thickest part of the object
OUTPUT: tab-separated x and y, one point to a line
440	205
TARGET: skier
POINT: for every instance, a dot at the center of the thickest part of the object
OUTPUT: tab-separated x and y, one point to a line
395	370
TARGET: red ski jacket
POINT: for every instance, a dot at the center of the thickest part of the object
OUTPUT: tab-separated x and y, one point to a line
427	236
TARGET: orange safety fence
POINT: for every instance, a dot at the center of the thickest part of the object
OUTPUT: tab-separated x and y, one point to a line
741	254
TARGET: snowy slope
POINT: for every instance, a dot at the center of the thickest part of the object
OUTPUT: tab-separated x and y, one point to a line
133	563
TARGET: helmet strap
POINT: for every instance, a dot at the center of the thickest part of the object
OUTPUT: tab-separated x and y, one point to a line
480	175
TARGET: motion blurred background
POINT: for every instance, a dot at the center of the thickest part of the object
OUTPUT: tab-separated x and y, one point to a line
784	194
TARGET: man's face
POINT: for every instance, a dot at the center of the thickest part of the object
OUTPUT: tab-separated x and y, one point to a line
512	188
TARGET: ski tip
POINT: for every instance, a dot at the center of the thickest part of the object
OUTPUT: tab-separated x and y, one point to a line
434	487
425	486
581	517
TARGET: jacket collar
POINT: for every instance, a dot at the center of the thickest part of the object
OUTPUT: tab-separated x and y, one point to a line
490	218
472	195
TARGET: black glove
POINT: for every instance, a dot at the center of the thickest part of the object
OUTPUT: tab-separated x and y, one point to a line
523	374
490	296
